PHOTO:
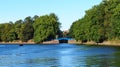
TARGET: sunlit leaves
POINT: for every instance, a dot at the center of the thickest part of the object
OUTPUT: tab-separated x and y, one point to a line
100	23
46	27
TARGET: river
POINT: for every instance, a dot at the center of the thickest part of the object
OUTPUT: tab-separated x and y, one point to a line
59	55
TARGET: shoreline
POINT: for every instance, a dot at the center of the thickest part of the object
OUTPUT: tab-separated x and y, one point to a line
105	43
30	42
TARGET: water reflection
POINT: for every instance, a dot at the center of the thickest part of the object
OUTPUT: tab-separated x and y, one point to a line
62	55
98	61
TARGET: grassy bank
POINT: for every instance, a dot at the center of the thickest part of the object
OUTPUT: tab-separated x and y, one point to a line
30	42
108	43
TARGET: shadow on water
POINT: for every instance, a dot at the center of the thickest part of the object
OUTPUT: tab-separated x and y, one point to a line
108	56
103	61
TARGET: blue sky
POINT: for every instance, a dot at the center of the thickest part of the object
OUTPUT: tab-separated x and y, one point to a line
67	11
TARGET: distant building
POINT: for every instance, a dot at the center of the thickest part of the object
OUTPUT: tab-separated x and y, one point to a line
65	33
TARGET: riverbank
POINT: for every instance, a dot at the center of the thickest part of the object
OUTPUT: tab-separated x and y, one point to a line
31	42
107	43
18	42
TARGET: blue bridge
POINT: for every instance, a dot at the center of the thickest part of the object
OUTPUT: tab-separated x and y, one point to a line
64	39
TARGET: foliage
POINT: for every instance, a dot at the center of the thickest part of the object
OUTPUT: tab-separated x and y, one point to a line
38	27
46	28
100	23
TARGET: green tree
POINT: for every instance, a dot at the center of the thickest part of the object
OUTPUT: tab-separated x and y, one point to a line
100	23
27	29
18	29
8	32
46	28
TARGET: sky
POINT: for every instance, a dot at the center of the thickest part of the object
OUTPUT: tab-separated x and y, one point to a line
67	11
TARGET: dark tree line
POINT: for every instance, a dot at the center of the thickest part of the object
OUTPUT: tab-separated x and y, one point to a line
38	28
100	23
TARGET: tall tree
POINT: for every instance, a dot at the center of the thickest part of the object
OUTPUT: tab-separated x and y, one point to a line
46	27
27	29
100	23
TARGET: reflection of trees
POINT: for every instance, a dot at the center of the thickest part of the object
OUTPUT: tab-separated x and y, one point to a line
43	62
116	60
103	61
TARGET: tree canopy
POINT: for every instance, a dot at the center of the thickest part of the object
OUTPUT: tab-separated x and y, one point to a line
46	27
38	28
100	23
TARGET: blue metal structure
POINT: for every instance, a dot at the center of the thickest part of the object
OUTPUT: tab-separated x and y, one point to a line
64	39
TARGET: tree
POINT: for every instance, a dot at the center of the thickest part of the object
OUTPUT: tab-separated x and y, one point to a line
46	28
100	23
1	31
8	32
27	29
18	29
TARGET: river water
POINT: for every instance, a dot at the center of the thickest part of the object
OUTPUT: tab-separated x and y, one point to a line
59	55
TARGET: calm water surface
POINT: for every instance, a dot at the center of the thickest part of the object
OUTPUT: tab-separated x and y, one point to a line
59	55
